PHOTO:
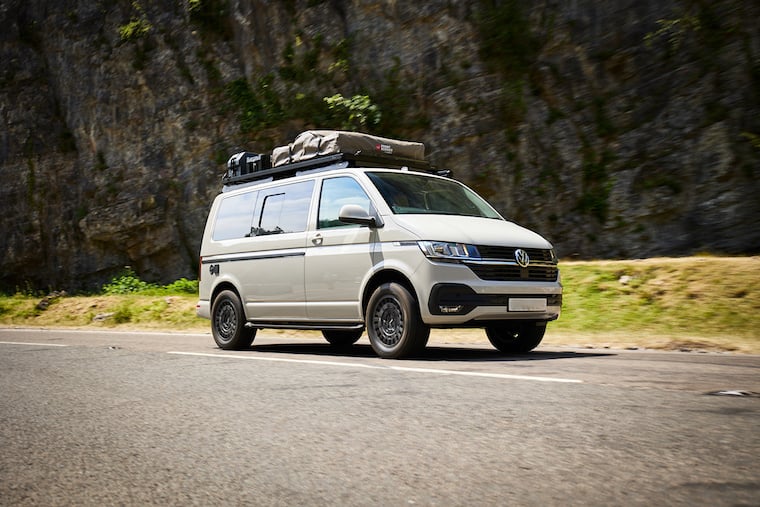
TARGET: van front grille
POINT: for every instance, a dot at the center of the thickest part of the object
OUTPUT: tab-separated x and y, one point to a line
500	265
514	273
508	253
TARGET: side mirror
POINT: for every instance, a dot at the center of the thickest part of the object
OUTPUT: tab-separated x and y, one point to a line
355	214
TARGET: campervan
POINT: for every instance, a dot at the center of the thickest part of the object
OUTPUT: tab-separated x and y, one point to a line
348	233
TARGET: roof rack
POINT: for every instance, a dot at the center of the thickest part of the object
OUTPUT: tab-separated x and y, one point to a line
245	167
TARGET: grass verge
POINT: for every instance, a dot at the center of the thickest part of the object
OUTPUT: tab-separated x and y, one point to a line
694	303
681	303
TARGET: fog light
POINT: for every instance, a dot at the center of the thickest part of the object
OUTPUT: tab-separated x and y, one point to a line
451	309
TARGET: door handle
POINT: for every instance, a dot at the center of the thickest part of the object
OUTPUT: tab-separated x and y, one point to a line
317	240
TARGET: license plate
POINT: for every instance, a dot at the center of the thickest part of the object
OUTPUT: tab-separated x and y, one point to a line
527	304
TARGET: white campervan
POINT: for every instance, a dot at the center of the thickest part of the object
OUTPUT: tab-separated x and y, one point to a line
343	232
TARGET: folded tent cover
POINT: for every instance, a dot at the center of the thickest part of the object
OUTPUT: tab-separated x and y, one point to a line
315	143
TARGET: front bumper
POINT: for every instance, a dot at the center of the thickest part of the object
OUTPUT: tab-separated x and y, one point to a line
455	296
448	298
460	302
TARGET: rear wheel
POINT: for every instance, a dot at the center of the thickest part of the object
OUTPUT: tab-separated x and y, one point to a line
228	323
516	337
393	321
341	338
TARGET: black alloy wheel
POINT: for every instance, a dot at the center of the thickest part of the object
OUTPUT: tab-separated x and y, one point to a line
228	323
393	321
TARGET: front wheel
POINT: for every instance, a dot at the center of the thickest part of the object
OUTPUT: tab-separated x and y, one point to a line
516	337
393	321
228	323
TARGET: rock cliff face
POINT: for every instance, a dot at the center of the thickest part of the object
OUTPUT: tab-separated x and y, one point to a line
617	129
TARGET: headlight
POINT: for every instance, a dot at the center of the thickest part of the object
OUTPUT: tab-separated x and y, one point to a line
441	250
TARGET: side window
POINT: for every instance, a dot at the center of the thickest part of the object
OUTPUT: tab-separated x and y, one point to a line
282	209
234	218
337	192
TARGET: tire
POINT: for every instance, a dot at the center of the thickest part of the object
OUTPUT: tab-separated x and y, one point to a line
393	322
228	323
516	337
340	338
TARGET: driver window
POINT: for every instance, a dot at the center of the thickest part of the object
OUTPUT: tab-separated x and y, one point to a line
336	193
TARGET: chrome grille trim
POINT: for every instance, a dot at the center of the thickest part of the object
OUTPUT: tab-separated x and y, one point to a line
498	264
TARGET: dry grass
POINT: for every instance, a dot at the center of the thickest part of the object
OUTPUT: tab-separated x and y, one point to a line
171	313
668	303
694	303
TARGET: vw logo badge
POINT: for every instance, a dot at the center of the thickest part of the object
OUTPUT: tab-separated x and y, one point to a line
522	258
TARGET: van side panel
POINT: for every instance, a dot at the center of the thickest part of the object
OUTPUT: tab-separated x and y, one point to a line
272	279
256	240
337	261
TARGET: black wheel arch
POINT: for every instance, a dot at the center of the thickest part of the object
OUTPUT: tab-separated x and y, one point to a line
226	286
386	276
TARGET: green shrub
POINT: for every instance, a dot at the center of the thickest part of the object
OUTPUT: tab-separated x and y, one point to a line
137	27
183	286
127	283
134	30
355	113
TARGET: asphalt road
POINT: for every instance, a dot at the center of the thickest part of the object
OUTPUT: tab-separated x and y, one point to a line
90	418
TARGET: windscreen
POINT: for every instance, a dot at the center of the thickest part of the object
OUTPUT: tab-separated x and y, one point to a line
411	193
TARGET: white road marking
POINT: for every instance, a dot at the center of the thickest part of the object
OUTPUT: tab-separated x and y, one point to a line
109	332
397	368
35	344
